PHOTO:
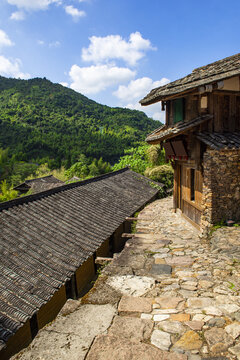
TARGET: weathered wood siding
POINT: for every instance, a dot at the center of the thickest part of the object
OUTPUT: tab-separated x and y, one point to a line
226	111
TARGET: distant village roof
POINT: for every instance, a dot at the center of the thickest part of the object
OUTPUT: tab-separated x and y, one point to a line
45	237
39	184
207	74
165	132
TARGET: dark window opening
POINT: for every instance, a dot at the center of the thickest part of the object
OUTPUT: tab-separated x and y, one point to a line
178	110
192	185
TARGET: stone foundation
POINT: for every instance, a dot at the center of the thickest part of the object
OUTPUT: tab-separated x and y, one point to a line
221	187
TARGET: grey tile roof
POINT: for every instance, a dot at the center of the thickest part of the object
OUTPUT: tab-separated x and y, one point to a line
207	74
164	132
220	141
45	237
39	184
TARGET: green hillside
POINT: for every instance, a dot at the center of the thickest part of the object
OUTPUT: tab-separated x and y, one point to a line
41	121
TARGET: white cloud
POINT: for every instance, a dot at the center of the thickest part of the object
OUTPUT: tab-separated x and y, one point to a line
138	88
54	44
159	115
63	83
135	91
93	79
17	15
74	12
153	111
33	5
4	39
102	49
12	68
40	42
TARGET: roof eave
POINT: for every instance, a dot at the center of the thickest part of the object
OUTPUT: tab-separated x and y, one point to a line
158	138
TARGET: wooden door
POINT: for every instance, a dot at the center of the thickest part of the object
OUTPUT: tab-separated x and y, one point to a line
177	187
191	193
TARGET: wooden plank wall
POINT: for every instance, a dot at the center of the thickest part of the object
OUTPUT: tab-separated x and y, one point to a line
226	111
224	106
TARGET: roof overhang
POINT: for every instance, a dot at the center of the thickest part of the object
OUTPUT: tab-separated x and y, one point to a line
206	75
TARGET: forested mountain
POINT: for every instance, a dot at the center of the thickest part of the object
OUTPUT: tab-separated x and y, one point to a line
45	122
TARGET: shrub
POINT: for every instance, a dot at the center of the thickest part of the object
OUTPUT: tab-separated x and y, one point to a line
162	174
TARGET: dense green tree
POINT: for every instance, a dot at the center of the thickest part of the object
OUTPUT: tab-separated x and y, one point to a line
44	122
83	168
6	193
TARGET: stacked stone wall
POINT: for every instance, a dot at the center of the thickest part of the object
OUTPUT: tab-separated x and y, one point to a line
221	187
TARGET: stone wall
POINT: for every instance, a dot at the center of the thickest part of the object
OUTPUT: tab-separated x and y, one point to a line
221	187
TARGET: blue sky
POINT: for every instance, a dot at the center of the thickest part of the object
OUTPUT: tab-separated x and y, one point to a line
115	51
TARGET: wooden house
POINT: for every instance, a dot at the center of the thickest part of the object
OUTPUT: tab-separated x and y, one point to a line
48	246
201	138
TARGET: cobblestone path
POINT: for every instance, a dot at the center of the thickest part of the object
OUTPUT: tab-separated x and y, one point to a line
179	294
169	295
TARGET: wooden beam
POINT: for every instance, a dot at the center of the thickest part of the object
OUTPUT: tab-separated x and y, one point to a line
125	235
226	92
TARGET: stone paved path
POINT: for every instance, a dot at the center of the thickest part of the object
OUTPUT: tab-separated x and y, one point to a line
171	296
178	294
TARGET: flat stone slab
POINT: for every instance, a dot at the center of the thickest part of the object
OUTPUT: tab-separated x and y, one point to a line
215	358
200	303
70	336
180	317
131	304
233	329
163	241
216	336
69	307
160	269
161	339
107	347
173	327
131	284
167	302
195	325
159	317
135	261
235	350
102	293
180	261
189	341
131	328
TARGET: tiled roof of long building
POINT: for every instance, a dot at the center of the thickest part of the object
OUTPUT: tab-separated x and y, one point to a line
216	71
45	237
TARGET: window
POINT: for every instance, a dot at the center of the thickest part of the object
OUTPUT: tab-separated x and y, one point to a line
178	110
192	184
